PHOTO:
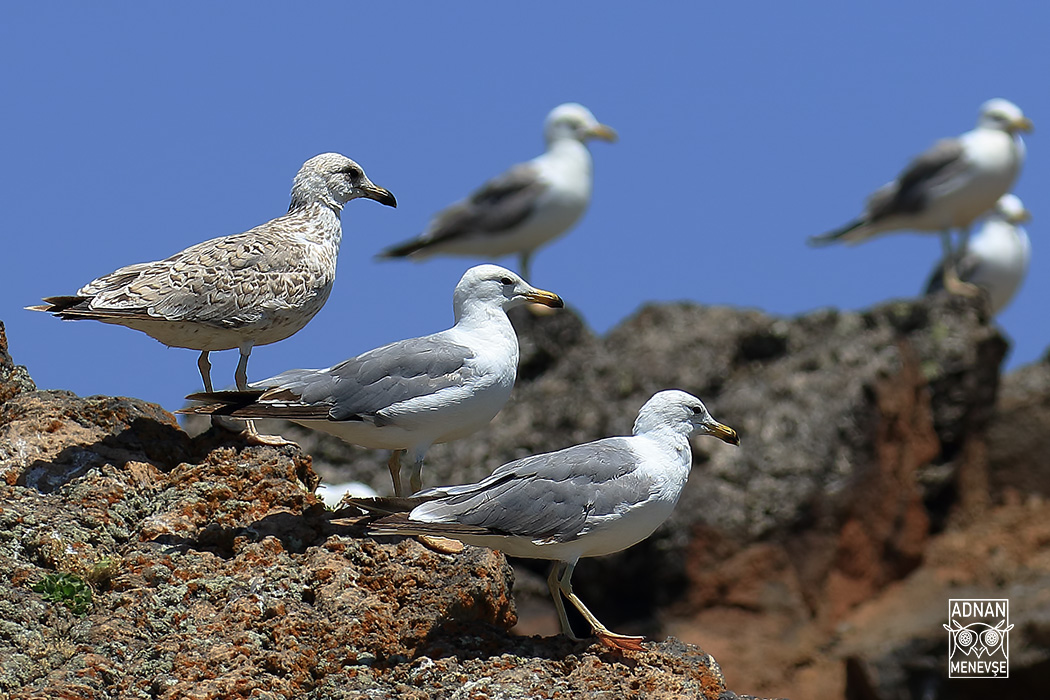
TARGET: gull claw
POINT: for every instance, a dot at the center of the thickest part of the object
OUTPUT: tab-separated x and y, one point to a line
957	286
248	433
621	642
272	440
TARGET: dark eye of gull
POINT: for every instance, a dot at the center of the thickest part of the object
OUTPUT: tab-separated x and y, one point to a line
506	281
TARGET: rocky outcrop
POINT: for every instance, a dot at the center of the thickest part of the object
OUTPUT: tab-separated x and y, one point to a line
215	573
14	379
814	561
864	436
1019	436
893	646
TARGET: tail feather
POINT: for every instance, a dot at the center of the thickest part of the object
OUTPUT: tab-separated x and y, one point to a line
56	305
227	397
840	234
405	249
247	404
257	410
78	308
386	505
399	524
223	403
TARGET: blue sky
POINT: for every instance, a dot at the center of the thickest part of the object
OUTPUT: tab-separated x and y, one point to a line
135	130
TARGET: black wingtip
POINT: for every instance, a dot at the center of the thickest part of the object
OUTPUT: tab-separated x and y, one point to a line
56	305
220	403
385	505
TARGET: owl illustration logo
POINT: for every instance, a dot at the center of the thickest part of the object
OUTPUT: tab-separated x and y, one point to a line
977	638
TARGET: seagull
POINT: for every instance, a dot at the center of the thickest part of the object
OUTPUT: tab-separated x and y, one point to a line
408	395
239	291
584	501
529	205
997	258
948	186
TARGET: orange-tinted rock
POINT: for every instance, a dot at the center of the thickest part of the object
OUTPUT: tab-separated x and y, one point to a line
217	575
14	379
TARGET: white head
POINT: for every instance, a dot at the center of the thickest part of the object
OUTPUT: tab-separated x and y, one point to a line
1003	115
494	286
334	180
1011	209
681	412
574	121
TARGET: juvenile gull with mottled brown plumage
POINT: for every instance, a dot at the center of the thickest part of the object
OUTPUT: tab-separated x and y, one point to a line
239	291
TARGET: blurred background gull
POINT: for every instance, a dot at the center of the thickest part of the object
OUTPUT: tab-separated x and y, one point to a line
743	130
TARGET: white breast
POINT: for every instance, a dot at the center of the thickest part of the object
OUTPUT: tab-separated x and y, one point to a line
1003	252
995	159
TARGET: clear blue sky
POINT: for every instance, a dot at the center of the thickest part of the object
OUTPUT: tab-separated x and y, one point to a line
133	130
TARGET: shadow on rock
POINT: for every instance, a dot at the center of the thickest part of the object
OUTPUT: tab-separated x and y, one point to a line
144	440
483	641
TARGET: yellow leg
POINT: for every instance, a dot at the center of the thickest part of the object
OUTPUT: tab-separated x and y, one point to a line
415	480
251	434
603	633
955	285
555	588
394	465
951	265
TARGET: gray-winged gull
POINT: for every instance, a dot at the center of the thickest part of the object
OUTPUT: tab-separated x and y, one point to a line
584	501
239	291
997	257
948	186
410	394
529	205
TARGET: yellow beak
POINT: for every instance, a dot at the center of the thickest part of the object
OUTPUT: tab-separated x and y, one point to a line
723	433
1024	124
539	296
605	133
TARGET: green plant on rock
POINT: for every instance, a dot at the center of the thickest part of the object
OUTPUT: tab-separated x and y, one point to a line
67	589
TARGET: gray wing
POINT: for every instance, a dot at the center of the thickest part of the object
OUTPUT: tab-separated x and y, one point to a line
911	191
362	387
229	282
500	204
552	497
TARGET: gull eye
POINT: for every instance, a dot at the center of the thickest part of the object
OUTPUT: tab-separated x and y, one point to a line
354	172
506	281
697	410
